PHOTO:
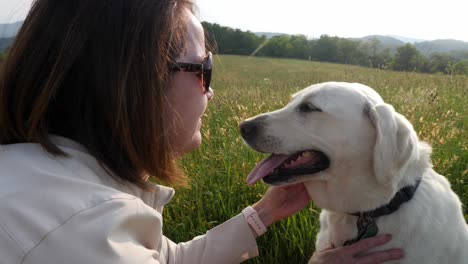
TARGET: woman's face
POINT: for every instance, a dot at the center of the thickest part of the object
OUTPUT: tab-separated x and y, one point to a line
186	96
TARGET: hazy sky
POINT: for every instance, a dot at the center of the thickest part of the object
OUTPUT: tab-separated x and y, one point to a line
421	19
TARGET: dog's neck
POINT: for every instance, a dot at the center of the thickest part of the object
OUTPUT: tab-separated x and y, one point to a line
366	220
402	196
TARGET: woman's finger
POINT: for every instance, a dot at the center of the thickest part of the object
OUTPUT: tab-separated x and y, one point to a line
366	244
381	256
328	247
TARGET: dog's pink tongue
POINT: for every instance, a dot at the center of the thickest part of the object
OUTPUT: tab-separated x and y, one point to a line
265	167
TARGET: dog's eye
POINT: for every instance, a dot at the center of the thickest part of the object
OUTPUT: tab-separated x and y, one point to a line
306	107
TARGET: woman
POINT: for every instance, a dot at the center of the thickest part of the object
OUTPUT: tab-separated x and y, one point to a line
96	96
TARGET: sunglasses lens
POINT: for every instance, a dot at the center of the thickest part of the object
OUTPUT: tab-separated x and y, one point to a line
207	80
207	71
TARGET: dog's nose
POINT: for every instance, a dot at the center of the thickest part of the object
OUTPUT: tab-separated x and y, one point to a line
248	129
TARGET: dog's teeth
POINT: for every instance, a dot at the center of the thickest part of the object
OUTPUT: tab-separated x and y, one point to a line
289	164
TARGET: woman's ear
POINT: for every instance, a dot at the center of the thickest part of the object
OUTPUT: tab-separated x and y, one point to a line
396	143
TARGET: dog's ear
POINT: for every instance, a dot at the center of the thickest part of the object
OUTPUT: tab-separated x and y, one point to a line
396	143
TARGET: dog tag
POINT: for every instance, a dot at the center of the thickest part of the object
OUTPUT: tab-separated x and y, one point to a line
366	228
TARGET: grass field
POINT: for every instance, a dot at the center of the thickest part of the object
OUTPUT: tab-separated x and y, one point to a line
437	105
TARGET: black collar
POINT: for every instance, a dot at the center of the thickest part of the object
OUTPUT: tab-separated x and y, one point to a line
402	196
366	220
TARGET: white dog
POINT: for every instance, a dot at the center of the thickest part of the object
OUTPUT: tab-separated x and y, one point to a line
363	164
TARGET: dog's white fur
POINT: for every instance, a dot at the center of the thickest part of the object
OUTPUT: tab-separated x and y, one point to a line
374	151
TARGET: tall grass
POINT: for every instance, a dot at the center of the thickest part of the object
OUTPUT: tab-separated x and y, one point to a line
246	86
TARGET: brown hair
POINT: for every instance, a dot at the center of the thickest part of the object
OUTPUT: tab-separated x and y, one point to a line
96	71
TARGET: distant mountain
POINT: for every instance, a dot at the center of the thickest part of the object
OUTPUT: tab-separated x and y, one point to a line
8	33
441	46
5	43
384	40
10	30
456	48
270	34
407	39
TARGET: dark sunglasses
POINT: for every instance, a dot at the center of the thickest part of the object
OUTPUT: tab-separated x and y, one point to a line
203	70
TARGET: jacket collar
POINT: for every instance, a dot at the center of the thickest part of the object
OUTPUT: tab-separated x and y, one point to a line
157	198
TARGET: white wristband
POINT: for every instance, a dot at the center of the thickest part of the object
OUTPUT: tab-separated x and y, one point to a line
252	218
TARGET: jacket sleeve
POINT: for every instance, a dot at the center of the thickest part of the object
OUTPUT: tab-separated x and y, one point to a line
124	230
230	242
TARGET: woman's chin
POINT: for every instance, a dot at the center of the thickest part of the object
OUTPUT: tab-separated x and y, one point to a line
188	146
196	141
193	145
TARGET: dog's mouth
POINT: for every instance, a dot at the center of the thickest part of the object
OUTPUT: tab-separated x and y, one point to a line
283	168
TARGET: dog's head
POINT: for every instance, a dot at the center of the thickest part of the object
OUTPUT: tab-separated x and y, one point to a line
340	139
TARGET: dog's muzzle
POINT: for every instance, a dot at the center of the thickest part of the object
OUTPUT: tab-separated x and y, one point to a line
251	129
278	168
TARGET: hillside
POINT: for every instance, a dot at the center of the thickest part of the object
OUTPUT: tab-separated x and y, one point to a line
441	45
270	34
454	47
407	39
384	40
5	43
10	30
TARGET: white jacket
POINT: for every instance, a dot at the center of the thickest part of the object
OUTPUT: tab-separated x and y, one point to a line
69	210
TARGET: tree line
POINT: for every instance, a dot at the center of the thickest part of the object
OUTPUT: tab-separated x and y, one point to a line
226	40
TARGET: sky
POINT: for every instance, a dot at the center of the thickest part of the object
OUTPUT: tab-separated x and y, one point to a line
418	19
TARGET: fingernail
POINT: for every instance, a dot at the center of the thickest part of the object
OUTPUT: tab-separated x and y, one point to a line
399	253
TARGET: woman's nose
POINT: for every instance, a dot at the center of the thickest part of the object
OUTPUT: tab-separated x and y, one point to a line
210	94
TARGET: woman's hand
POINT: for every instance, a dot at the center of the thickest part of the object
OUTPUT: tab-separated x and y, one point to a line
281	202
355	253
